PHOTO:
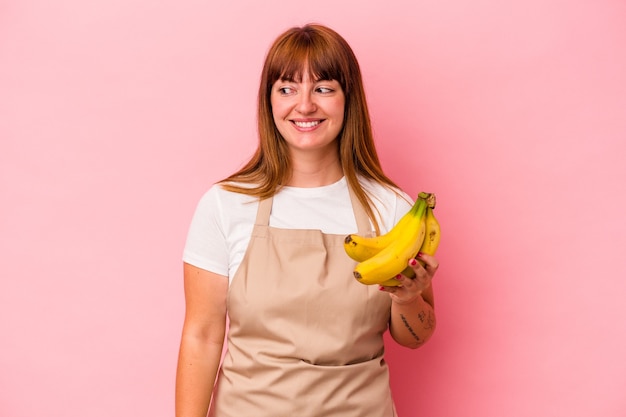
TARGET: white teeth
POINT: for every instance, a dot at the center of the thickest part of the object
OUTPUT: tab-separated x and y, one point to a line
307	124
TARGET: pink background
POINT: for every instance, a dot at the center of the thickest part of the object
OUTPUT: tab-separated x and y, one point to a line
115	116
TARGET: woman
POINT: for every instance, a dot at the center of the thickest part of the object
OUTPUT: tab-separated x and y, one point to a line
265	247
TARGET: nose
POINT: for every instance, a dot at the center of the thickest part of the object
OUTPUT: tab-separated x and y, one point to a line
306	104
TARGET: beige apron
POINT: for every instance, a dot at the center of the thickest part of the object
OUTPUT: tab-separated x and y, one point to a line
305	338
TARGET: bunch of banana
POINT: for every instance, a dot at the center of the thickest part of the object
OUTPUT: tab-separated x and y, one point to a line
383	257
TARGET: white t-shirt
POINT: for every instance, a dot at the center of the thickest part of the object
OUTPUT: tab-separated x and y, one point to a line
222	223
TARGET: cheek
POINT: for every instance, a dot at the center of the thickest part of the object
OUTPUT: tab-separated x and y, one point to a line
278	111
274	105
341	114
340	109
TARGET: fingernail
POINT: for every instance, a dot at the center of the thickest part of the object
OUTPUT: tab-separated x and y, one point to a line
413	262
419	254
399	276
381	288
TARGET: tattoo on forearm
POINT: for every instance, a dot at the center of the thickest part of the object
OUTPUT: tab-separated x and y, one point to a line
421	316
427	319
409	328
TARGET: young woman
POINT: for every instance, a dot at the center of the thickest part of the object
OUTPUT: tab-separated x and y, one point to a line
265	250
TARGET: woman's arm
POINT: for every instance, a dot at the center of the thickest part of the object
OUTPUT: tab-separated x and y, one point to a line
202	340
413	305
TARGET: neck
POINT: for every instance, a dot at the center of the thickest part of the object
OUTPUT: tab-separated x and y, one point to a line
315	171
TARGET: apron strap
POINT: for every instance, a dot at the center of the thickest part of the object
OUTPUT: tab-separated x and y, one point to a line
363	223
263	213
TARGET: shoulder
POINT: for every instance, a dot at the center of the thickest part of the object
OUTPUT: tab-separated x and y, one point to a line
225	206
219	229
219	197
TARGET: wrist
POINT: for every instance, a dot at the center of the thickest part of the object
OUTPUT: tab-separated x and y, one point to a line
414	300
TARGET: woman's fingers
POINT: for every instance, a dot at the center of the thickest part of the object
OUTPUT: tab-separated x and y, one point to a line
409	287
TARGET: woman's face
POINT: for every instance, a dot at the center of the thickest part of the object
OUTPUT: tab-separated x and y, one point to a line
308	114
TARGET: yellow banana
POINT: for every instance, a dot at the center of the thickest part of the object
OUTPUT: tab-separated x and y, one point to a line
394	257
430	244
361	248
433	234
392	282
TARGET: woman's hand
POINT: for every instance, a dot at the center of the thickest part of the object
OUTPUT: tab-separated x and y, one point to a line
413	319
412	288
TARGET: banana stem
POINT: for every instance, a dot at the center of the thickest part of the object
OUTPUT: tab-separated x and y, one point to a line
431	201
419	208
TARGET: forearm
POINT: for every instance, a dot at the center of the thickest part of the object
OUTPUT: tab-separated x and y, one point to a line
413	323
198	362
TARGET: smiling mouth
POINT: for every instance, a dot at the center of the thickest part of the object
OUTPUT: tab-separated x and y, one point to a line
307	125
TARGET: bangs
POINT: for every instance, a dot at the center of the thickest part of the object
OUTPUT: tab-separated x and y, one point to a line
312	54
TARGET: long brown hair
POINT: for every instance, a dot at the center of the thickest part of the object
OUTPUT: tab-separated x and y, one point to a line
329	57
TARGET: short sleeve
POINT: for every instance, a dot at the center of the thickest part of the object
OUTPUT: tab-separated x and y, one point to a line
206	245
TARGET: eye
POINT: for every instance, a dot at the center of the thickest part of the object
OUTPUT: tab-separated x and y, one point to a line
324	90
285	91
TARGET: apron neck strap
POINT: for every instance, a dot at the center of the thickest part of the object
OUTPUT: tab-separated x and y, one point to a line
363	223
263	213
